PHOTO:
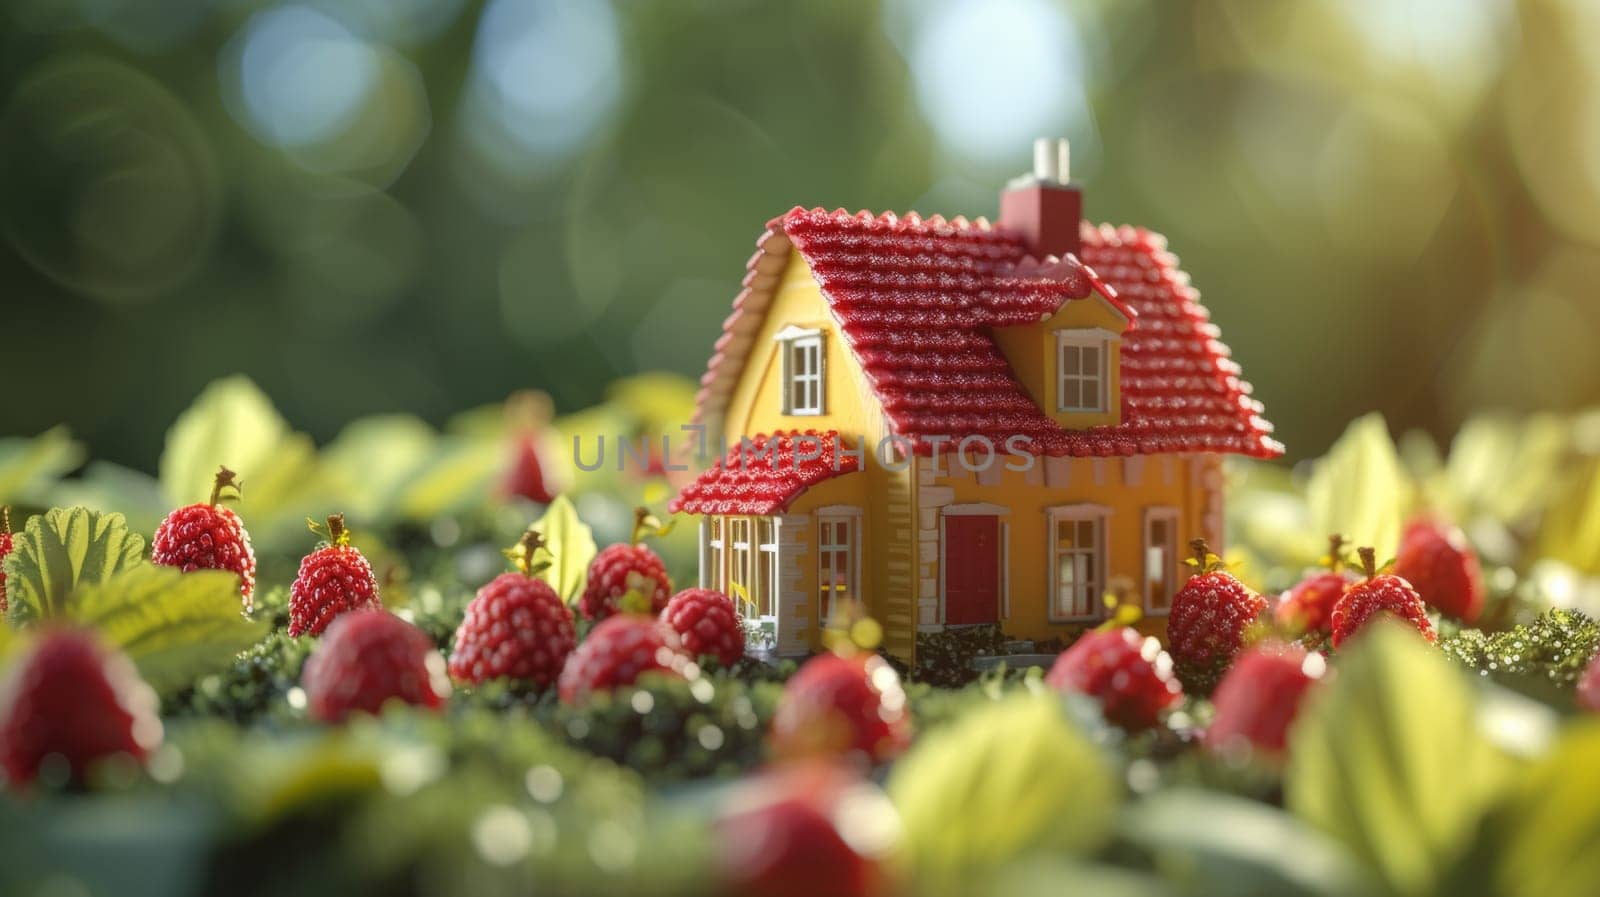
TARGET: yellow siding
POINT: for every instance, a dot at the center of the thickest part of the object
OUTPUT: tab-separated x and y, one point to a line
1032	353
757	402
1126	488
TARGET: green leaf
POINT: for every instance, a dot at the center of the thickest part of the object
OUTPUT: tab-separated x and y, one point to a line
61	549
1360	488
374	460
571	541
1542	838
29	466
1005	779
1244	847
459	476
234	423
1571	530
104	486
1389	758
175	626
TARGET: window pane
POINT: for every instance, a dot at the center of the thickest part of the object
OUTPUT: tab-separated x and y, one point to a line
1071	359
1090	363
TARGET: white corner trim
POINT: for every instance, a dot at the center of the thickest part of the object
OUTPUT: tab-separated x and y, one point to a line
794	331
1080	509
974	509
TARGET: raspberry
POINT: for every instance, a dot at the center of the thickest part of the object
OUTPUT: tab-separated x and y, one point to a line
7	542
1589	687
73	699
621	569
1209	622
1307	608
516	628
1258	699
1378	593
333	579
837	706
208	536
526	476
1437	560
1127	673
367	658
777	836
706	623
617	652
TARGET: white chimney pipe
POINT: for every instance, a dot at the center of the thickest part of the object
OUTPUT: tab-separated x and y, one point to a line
1052	160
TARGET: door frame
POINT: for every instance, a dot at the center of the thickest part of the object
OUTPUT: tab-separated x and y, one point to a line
1003	587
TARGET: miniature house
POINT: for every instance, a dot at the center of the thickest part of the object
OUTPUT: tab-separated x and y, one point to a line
960	423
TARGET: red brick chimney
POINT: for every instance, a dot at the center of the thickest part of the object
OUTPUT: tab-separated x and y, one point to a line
1045	207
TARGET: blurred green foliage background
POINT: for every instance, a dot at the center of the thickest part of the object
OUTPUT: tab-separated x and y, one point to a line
422	205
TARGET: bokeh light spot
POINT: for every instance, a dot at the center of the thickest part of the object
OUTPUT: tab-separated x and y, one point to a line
303	75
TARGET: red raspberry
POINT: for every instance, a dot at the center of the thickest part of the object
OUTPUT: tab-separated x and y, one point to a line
617	652
706	623
1258	699
526	477
838	706
75	699
517	628
333	579
1127	673
777	836
1209	622
7	542
621	569
1376	594
368	658
208	536
1437	560
1307	608
1589	687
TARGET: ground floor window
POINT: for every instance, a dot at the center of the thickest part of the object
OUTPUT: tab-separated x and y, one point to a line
712	574
1077	562
836	562
740	559
1160	559
766	591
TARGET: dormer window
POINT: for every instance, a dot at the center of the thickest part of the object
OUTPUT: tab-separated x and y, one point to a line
1083	370
802	371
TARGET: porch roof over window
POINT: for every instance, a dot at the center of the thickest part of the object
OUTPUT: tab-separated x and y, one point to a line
763	477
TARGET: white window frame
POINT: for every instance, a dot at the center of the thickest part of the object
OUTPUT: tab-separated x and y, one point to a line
1170	516
1078	513
766	558
792	341
713	563
1084	338
851	547
744	547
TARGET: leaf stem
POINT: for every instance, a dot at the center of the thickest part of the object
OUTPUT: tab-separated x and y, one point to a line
225	479
1369	560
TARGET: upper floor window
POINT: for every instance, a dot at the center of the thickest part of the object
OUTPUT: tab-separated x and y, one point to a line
1083	370
802	371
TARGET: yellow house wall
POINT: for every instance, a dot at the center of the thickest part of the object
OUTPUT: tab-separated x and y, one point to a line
756	405
1126	486
1032	353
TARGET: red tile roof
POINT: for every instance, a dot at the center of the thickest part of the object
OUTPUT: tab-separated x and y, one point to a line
762	478
917	298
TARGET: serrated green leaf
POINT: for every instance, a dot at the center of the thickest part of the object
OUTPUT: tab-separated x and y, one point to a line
1389	759
1244	848
1005	779
1361	489
62	549
571	541
29	466
175	626
104	486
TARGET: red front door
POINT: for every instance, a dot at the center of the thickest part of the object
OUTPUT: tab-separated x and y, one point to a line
971	569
